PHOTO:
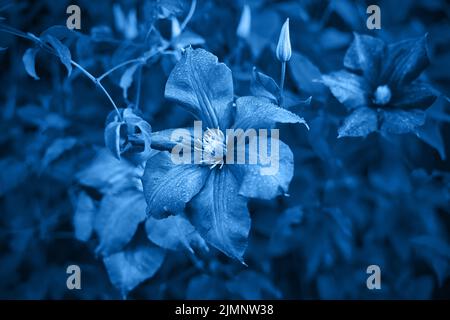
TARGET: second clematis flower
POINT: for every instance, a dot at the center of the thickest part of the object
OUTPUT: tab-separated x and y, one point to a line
217	191
380	86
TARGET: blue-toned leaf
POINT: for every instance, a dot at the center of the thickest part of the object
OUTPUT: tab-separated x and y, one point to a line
56	149
130	267
109	175
127	79
431	134
174	233
118	219
62	51
400	121
266	180
83	220
113	139
130	137
406	61
203	86
220	214
418	95
359	123
251	285
350	89
139	135
258	113
307	76
60	33
366	54
264	86
168	186
29	62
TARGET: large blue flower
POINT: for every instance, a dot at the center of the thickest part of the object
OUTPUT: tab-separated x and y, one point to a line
217	191
380	86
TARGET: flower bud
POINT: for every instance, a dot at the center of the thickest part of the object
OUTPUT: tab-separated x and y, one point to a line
243	29
284	50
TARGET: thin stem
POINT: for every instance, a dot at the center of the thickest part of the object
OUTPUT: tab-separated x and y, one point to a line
97	82
120	65
138	89
35	39
189	16
283	76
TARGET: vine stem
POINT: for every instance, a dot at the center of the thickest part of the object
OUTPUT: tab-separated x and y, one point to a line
283	76
138	90
98	83
189	16
107	73
38	41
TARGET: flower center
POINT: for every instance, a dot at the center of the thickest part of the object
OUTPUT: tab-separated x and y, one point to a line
382	95
213	147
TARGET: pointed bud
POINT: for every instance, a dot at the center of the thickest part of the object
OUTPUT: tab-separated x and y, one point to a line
284	50
243	29
176	28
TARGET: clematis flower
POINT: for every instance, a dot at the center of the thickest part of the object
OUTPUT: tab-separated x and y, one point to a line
380	86
217	191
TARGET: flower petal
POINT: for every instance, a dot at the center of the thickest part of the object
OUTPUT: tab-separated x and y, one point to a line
256	183
401	121
168	186
350	89
359	124
406	61
220	214
415	95
258	113
203	86
365	54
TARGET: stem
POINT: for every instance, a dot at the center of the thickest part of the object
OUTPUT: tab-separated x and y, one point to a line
120	65
138	89
283	76
97	82
189	16
38	41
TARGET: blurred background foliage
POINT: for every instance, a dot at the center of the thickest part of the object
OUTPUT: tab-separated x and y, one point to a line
352	202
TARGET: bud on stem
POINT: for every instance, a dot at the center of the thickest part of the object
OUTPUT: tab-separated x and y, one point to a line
243	29
284	50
